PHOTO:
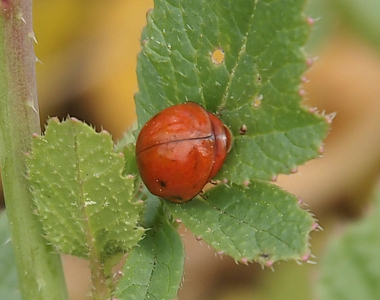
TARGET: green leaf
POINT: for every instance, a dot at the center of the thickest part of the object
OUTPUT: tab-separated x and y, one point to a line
153	270
351	266
85	204
130	166
153	209
127	146
260	222
8	272
127	139
256	85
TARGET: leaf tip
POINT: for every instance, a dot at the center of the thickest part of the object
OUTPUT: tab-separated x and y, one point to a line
310	21
305	258
104	132
74	120
140	202
321	149
310	61
246	183
330	117
302	92
54	119
148	12
312	110
304	79
244	261
316	227
269	264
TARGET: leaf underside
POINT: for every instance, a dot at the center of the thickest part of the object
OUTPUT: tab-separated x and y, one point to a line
84	202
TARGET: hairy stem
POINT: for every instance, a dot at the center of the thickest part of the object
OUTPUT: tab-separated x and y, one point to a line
40	270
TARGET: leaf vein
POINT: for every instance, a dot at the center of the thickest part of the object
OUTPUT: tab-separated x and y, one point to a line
240	55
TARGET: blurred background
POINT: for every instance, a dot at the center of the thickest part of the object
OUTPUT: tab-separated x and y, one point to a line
87	52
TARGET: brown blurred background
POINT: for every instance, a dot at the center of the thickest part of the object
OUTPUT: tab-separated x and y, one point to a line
88	55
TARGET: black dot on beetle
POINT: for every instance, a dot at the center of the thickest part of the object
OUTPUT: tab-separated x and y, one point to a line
265	255
162	183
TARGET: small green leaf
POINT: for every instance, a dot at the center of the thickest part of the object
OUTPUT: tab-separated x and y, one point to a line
154	269
351	266
130	167
85	204
259	223
256	85
127	146
127	139
8	273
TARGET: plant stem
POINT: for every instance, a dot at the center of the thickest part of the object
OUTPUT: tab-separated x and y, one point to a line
100	289
39	269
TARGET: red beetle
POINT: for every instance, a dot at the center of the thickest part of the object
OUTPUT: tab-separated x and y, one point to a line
180	149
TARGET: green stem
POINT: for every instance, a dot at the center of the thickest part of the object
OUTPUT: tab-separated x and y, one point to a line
100	289
39	268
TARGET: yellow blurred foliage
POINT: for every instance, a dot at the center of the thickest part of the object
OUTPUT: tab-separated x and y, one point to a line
88	52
